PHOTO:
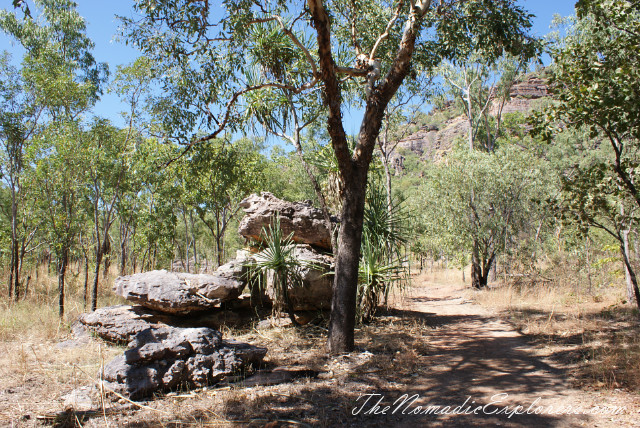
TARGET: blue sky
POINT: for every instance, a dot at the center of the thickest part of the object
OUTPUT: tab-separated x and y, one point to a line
102	26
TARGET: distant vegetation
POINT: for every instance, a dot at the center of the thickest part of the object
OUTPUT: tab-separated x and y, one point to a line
517	195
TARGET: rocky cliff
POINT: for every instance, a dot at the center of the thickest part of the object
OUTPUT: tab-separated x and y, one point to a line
431	141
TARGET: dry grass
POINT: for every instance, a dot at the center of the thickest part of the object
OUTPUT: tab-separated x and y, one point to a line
391	353
597	334
35	373
393	356
36	313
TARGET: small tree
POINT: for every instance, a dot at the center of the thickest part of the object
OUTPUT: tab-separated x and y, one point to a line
507	185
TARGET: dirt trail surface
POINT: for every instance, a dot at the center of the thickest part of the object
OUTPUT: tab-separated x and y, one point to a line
477	359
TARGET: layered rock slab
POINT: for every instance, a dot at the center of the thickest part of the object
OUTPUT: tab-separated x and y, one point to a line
161	359
119	324
182	293
300	218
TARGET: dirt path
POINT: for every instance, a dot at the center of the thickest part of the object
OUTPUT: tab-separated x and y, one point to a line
476	357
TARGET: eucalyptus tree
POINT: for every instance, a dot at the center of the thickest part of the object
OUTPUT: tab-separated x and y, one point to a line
63	80
337	54
481	87
57	156
216	177
156	195
18	123
592	198
595	79
507	186
107	151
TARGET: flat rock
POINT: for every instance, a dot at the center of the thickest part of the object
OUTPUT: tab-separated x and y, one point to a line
119	324
182	293
161	359
300	218
80	399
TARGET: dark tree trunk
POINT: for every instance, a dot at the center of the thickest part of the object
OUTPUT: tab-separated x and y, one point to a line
14	277
123	257
219	238
62	269
480	268
11	278
96	278
632	275
16	271
86	280
476	268
345	285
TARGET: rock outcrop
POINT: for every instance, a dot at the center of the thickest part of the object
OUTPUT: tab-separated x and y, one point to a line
167	348
119	324
161	359
182	293
432	142
315	290
300	218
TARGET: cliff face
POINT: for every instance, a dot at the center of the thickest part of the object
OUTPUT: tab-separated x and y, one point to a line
431	141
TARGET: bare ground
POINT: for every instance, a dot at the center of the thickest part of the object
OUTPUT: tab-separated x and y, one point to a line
477	355
436	346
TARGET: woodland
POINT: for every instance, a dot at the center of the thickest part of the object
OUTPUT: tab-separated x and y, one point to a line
481	149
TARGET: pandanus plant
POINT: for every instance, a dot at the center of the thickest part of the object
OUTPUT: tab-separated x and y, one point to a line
277	260
383	264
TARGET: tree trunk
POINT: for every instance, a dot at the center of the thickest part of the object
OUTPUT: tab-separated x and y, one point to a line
586	249
123	257
627	273
186	241
193	241
96	278
11	278
62	268
86	280
632	274
488	267
345	285
219	238
476	268
15	259
494	270
107	263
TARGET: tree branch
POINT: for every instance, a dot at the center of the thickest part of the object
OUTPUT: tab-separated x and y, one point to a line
332	93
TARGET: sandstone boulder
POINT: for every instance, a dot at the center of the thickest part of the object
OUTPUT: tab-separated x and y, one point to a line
161	359
315	290
182	293
119	324
306	222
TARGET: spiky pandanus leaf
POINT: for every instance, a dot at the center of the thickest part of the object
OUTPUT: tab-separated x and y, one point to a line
278	259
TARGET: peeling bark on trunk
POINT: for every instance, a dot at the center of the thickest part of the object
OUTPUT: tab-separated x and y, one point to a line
480	268
476	270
